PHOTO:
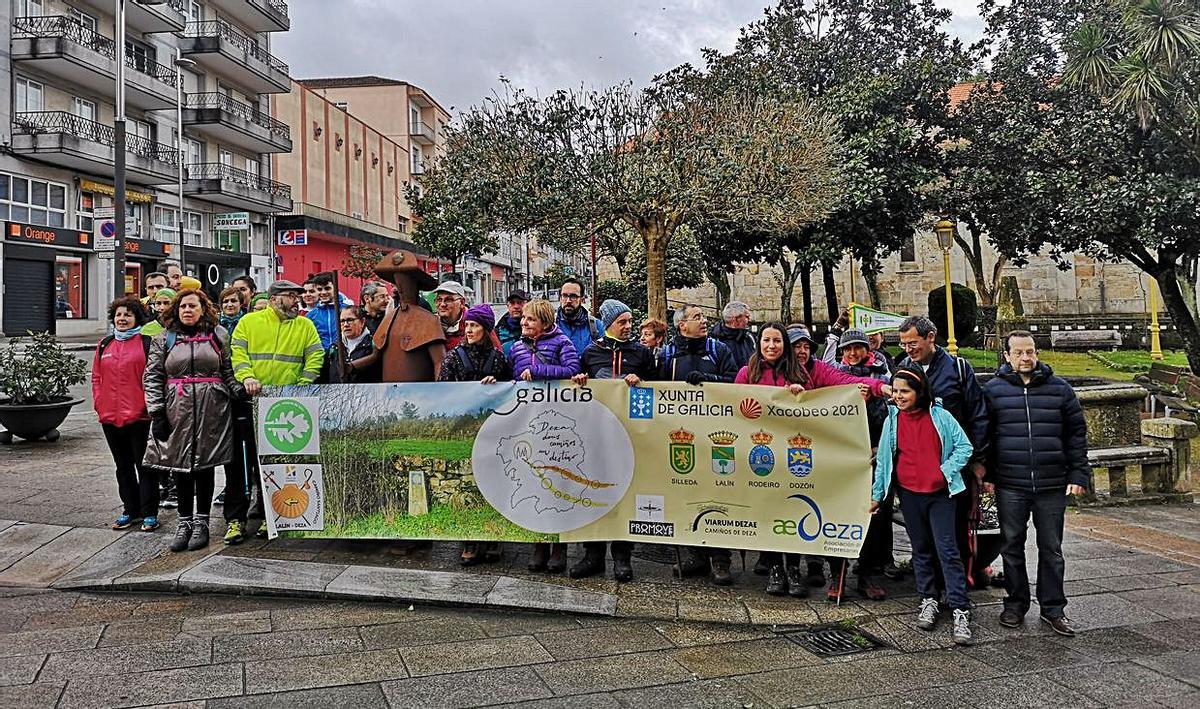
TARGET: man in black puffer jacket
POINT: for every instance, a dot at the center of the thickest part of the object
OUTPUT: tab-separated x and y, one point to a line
1038	456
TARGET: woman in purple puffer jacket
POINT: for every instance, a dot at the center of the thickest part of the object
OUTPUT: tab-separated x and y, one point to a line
543	354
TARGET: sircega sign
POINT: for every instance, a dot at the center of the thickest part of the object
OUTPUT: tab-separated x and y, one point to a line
720	465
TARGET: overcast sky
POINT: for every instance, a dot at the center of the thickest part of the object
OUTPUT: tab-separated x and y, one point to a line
457	49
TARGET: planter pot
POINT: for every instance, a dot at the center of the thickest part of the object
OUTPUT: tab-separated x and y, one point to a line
33	421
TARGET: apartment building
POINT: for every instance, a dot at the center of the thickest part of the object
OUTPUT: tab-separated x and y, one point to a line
209	58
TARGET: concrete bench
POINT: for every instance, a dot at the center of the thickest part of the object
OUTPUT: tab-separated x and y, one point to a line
1085	339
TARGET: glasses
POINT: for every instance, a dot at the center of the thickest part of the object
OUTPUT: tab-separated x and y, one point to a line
348	320
570	296
446	299
910	345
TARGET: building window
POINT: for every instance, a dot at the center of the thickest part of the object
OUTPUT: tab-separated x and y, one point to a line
82	18
68	288
195	11
83	108
30	8
32	201
908	250
193	151
141	56
403	225
417	160
193	228
141	129
164	225
86	212
30	95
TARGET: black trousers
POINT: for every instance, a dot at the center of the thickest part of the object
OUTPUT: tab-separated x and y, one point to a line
137	485
241	474
620	549
1048	509
195	490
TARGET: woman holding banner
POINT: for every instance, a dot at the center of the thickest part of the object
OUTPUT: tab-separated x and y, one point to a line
784	358
477	359
543	354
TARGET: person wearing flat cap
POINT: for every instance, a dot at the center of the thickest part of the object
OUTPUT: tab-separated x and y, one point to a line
450	299
616	355
410	337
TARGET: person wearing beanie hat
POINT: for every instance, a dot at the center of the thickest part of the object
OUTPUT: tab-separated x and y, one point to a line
616	355
478	358
158	306
481	314
259	301
189	282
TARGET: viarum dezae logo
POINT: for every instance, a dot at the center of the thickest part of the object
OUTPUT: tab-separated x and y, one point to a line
811	526
713	517
683	452
724	456
289	426
762	460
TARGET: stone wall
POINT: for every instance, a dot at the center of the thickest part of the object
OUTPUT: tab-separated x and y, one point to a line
1086	287
448	482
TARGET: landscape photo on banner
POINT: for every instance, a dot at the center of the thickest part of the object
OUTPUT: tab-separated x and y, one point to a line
671	463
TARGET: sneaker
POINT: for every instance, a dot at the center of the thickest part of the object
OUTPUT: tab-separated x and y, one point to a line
1060	625
1011	618
928	613
797	585
124	522
170	501
962	627
149	524
199	538
220	499
777	584
234	534
182	535
261	532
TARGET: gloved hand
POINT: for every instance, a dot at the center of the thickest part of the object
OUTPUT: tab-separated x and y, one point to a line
695	376
160	427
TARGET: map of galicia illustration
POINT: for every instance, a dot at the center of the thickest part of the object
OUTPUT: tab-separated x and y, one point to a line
553	467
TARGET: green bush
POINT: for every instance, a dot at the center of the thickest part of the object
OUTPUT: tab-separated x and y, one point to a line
966	312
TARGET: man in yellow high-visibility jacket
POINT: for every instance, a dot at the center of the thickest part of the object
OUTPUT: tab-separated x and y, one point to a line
273	346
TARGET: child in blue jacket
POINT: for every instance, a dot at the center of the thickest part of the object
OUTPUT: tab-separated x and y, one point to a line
922	451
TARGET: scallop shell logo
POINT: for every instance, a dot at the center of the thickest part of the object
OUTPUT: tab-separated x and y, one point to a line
750	408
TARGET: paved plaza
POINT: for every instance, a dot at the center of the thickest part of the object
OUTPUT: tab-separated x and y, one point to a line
91	617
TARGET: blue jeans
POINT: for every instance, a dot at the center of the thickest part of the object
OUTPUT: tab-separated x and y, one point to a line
929	519
1048	509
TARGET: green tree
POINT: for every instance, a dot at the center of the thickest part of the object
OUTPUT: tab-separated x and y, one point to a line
684	267
580	160
449	223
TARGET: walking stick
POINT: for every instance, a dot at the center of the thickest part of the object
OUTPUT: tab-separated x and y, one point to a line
842	581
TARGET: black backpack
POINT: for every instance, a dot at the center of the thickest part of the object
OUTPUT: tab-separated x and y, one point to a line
469	370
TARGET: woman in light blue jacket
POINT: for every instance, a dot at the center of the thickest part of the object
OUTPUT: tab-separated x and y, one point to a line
922	451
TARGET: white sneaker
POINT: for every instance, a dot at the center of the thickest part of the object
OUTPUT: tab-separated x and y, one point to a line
962	627
927	615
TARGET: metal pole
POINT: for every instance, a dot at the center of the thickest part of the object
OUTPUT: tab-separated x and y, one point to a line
119	158
852	298
179	156
1156	352
951	341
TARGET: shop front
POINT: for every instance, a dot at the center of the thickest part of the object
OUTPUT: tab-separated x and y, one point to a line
142	257
45	276
216	268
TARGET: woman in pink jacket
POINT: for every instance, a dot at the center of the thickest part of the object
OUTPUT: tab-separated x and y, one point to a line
784	358
120	401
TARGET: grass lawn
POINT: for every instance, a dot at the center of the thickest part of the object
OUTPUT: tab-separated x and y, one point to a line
1081	364
444	450
442	522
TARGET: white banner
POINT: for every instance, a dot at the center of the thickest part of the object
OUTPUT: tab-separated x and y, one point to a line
294	497
872	321
288	426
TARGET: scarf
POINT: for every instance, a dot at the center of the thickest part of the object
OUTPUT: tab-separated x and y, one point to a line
128	334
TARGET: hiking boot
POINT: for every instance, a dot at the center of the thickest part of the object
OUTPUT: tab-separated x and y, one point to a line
1060	625
622	568
868	587
797	584
720	572
234	534
182	534
816	574
557	562
777	584
261	532
962	627
928	613
591	564
762	567
693	564
537	562
1011	618
199	538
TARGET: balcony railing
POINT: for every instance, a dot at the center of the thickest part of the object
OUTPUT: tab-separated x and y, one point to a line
238	108
227	32
62	27
45	122
421	128
278	8
221	171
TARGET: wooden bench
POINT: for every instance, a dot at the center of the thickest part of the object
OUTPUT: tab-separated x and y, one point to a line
1085	339
1170	386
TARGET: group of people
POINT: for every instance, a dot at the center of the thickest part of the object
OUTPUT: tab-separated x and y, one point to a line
176	404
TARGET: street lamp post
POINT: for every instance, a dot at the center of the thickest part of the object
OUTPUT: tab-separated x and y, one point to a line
180	64
945	229
119	149
1156	352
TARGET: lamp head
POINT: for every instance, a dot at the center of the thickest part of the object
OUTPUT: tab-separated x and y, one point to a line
945	229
